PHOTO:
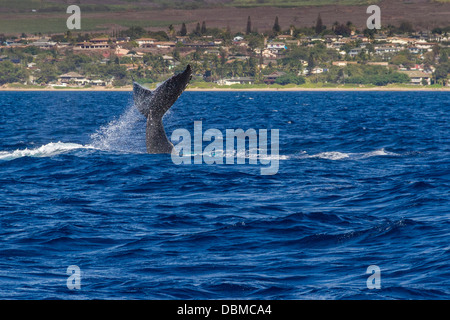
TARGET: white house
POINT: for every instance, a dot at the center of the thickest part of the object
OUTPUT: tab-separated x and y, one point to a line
276	45
235	80
385	49
145	42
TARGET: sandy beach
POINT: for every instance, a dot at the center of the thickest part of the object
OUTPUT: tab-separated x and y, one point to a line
195	89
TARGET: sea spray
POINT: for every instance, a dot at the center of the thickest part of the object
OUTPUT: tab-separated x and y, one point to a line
125	134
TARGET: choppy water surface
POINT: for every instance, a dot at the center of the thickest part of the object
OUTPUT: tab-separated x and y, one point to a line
363	180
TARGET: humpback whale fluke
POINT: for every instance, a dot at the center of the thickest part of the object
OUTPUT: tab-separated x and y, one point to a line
154	104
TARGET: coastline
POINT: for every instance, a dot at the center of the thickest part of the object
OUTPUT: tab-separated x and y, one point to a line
237	89
228	89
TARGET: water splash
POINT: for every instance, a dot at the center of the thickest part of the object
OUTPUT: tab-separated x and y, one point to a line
125	134
48	150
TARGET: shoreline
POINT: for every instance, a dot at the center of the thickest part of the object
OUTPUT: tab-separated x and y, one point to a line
196	89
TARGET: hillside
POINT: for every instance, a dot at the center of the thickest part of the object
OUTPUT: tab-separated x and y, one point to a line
119	5
32	16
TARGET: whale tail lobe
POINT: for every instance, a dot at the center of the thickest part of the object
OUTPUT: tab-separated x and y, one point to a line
154	104
157	102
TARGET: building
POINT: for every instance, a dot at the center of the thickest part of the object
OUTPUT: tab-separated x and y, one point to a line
418	77
271	78
165	44
145	42
354	52
236	80
89	45
340	63
426	46
73	77
276	46
43	44
386	49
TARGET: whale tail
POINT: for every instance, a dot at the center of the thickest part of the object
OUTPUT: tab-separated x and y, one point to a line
157	102
154	104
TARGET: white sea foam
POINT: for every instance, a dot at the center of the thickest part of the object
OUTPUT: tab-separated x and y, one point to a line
48	150
335	155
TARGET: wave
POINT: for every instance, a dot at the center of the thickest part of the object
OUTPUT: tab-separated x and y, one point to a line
48	150
109	141
335	155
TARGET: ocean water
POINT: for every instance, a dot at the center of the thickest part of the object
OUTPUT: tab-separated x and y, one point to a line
363	180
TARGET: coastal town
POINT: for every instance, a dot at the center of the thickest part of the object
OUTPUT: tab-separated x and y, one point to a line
339	54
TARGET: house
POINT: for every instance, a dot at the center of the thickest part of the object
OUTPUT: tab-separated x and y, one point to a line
99	40
236	80
417	67
271	78
121	52
265	53
145	42
418	77
284	37
318	70
182	39
238	57
101	83
354	52
90	45
165	44
241	44
215	52
73	77
43	44
340	63
335	45
415	50
373	63
400	40
386	49
428	46
276	45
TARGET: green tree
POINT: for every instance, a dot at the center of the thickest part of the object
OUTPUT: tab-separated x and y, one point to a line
311	63
444	57
441	72
276	26
406	27
183	30
370	33
203	29
249	26
48	72
255	41
197	31
171	30
10	73
290	78
319	25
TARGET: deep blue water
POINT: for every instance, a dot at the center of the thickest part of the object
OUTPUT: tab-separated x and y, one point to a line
364	179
